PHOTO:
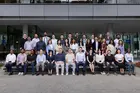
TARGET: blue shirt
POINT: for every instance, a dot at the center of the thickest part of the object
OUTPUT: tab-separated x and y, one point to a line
41	58
60	57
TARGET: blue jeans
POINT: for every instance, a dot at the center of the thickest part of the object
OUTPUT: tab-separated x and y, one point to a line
80	64
32	65
22	67
131	67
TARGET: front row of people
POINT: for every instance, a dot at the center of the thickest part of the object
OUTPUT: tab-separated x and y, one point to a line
103	61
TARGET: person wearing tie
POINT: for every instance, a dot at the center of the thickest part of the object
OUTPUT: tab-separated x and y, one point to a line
96	45
46	38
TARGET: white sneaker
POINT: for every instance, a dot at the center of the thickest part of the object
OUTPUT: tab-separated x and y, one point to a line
73	74
103	73
57	74
67	74
62	74
19	73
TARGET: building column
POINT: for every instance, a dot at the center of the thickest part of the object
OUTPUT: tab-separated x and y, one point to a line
25	29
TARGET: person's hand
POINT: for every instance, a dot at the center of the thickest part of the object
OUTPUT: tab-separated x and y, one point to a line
113	63
107	63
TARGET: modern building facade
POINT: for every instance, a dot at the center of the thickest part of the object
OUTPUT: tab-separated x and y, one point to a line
36	16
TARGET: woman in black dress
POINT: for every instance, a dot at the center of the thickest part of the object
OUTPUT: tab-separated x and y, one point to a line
91	59
50	61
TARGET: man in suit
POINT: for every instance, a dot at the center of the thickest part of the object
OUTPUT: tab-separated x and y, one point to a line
96	45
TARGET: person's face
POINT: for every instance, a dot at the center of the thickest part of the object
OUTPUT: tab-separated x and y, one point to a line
77	34
84	36
119	51
81	40
11	51
29	39
36	36
73	41
41	51
69	35
50	42
118	36
103	40
24	36
99	51
88	41
61	36
22	51
96	38
53	36
60	50
129	51
92	36
66	40
69	51
50	52
59	42
80	49
40	38
45	34
32	52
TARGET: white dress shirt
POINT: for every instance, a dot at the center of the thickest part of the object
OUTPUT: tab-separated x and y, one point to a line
11	57
97	45
80	57
54	43
116	41
41	58
46	39
129	57
92	40
28	45
34	41
74	46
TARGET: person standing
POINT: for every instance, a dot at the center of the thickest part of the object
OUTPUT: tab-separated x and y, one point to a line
96	45
77	37
66	46
80	60
10	61
62	40
50	47
40	61
50	62
119	58
91	60
100	60
110	61
70	60
31	60
116	41
88	45
111	47
130	62
59	61
121	46
69	37
84	40
54	41
58	46
23	40
22	62
74	46
40	45
104	46
35	40
46	38
28	46
92	38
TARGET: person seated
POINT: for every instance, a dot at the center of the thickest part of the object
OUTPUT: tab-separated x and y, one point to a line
130	62
31	60
59	61
80	61
22	62
50	61
90	60
70	60
10	61
100	60
109	61
119	58
40	61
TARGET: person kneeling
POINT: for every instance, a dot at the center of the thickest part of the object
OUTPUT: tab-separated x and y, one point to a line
59	61
70	60
40	60
109	59
100	59
10	61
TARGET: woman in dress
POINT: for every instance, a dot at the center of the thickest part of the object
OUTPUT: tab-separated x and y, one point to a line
49	46
104	46
58	46
90	60
66	46
74	46
50	61
121	46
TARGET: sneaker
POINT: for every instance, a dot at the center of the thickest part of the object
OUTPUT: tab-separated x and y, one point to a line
103	73
62	74
73	74
107	74
67	74
134	74
129	74
57	74
19	73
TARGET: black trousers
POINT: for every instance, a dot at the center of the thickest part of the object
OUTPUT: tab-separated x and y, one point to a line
101	66
108	66
50	66
9	66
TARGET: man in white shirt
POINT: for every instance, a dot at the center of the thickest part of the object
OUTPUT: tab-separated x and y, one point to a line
46	38
54	41
70	60
28	46
35	40
80	60
10	61
116	41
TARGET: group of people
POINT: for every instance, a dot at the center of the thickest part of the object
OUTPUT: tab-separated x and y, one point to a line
73	51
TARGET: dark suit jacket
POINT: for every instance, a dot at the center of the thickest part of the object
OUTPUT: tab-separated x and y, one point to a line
94	46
